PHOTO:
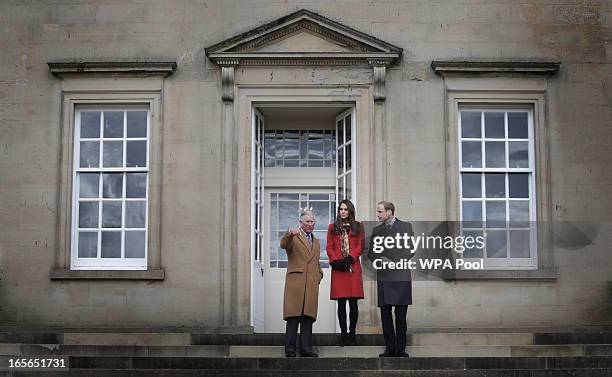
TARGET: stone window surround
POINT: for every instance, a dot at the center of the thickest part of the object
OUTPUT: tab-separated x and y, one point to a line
116	84
501	84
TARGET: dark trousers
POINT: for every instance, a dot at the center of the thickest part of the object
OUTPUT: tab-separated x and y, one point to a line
305	324
395	338
353	314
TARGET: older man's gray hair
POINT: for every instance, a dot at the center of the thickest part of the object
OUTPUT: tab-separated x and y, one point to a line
306	212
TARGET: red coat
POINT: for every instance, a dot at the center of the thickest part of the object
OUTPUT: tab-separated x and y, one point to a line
345	283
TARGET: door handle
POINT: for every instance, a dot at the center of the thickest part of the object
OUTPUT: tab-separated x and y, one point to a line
261	268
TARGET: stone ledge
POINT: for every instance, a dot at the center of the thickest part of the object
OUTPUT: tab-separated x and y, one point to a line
532	275
63	274
442	67
112	67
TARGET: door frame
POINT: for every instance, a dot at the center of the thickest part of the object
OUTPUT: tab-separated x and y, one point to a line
249	96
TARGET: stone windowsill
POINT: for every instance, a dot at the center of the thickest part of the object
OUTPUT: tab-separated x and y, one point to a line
64	274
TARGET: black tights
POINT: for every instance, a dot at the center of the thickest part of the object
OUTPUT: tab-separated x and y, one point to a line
354	313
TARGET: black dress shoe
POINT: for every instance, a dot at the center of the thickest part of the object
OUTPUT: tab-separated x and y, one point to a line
386	354
309	354
343	339
351	339
290	354
402	354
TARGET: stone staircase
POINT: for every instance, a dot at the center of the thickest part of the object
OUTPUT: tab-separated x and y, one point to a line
451	352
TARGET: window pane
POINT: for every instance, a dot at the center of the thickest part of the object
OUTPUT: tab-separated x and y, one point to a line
111	214
89	185
495	185
471	249
517	125
321	210
519	244
135	212
288	215
113	154
136	185
349	191
136	155
292	147
496	214
111	245
88	244
315	147
348	157
113	124
494	125
134	244
340	132
112	185
340	160
496	243
470	124
90	124
495	154
471	154
89	154
471	185
347	128
518	185
472	211
88	214
304	145
518	156
519	213
137	124
341	193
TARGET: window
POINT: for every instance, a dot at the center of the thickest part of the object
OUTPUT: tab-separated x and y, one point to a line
497	184
110	190
284	207
299	148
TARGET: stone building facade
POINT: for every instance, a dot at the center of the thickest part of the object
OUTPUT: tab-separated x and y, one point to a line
131	194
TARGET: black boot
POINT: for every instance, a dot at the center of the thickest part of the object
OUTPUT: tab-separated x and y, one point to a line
351	338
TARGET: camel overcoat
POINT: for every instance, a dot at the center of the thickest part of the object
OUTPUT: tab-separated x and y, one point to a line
303	276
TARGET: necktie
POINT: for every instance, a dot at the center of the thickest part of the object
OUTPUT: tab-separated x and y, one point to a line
309	235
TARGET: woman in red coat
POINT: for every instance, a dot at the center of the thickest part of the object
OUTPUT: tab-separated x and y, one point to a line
345	240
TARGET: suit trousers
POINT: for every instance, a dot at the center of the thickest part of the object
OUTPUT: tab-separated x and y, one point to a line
395	338
305	324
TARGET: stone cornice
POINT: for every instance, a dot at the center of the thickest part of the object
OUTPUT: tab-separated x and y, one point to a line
464	67
303	59
112	67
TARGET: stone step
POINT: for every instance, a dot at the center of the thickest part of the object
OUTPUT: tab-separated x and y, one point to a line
332	364
15	349
590	337
434	338
75	372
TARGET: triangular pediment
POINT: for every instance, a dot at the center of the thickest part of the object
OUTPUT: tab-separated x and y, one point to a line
302	38
302	41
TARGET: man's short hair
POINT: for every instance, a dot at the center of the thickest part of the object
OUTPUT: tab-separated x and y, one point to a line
388	206
306	212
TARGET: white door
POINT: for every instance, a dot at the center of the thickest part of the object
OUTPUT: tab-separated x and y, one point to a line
282	208
257	218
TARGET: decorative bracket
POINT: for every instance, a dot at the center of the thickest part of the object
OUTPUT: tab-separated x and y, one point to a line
227	78
379	66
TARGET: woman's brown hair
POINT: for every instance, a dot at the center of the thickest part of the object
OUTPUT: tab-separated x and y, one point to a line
339	223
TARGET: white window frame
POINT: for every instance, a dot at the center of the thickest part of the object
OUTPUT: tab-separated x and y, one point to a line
507	262
99	263
524	91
